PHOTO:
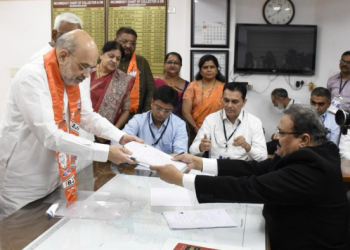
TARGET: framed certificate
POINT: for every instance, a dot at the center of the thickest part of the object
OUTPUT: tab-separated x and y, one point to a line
210	23
221	55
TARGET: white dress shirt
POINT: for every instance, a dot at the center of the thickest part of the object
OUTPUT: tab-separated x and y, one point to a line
246	125
344	146
29	139
210	166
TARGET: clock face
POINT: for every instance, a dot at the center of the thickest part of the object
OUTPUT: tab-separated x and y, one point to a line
278	11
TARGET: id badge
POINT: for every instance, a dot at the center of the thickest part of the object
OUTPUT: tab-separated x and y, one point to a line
335	104
336	101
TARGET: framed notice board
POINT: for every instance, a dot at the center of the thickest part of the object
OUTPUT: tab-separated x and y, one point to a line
102	18
148	19
92	13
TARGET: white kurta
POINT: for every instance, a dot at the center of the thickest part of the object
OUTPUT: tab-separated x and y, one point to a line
29	139
81	162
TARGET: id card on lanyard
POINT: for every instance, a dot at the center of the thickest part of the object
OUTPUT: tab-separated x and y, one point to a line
337	100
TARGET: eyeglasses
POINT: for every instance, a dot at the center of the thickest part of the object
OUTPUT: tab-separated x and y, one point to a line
344	62
124	42
85	70
159	108
173	62
279	132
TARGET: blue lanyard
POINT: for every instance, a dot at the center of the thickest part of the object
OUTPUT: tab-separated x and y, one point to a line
341	87
223	124
160	137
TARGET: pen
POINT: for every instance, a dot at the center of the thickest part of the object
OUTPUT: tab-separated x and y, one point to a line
179	154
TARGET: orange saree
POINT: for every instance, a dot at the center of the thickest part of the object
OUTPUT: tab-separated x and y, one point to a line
203	102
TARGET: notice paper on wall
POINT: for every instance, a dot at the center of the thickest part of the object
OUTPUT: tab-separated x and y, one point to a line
211	218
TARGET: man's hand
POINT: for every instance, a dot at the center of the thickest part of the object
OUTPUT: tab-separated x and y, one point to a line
128	138
117	154
240	141
205	144
193	162
169	173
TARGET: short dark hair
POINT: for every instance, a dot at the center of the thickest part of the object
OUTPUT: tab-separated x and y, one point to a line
127	30
175	54
306	120
279	92
166	94
321	91
205	59
236	86
113	45
346	53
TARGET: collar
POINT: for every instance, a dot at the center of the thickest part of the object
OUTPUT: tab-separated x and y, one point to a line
149	114
239	118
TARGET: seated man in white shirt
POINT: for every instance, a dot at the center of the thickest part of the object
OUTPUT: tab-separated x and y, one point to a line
231	133
321	100
159	127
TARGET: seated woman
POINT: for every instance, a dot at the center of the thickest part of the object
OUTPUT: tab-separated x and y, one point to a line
171	77
110	87
203	96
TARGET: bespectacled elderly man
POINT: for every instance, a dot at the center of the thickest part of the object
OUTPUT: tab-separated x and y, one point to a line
305	204
39	133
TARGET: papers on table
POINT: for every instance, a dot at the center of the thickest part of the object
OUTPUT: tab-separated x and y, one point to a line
175	244
170	197
147	155
198	219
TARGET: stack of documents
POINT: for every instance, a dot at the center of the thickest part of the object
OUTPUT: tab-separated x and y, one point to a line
147	156
198	219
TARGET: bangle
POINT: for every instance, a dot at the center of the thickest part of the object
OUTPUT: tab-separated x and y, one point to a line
195	126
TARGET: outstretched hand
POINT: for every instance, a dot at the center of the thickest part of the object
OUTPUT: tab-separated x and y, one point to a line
169	173
128	138
117	154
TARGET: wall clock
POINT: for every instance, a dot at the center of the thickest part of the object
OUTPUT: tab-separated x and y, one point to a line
278	12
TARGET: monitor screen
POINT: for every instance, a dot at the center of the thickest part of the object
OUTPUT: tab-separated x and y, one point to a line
275	49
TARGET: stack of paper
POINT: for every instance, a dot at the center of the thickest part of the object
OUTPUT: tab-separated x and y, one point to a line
147	155
198	219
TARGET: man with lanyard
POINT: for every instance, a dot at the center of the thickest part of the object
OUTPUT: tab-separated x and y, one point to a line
39	142
137	66
159	127
339	85
321	100
231	133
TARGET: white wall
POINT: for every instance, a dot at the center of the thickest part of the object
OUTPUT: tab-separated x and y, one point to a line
25	34
25	28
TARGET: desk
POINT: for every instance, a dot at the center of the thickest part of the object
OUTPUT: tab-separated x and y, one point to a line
345	169
145	228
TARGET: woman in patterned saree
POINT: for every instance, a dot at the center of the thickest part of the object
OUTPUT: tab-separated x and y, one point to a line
110	87
203	96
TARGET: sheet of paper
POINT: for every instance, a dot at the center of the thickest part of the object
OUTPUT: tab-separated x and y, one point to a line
171	244
148	155
170	197
198	219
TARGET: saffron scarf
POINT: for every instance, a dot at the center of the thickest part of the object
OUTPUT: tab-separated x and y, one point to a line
135	90
66	162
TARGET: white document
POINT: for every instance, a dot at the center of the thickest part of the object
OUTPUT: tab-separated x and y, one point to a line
170	197
171	243
147	155
198	219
